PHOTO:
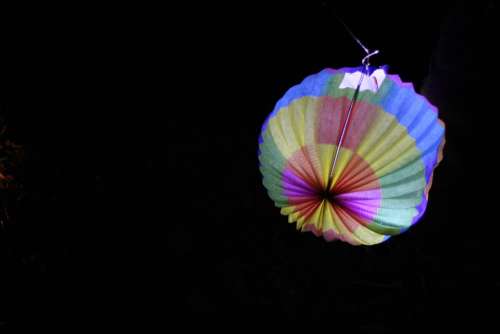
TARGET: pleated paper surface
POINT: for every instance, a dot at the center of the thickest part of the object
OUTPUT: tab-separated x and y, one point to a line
383	173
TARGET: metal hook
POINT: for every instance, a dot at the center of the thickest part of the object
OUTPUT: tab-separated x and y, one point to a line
366	60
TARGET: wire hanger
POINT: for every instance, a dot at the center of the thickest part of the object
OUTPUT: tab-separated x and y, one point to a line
366	63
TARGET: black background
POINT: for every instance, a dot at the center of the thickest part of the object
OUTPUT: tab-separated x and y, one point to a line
143	201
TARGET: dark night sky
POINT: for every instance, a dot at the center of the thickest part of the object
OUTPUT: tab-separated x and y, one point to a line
143	196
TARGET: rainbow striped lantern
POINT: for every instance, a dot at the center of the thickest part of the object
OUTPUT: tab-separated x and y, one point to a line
349	154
